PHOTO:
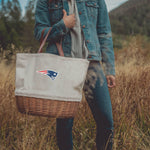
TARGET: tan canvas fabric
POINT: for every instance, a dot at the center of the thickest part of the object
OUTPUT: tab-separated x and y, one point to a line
50	76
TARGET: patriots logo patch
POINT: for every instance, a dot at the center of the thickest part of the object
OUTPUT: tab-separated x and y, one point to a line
51	74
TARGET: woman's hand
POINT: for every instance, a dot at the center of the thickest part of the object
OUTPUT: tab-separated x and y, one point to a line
69	20
111	81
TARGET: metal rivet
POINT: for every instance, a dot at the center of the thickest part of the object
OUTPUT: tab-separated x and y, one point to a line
83	26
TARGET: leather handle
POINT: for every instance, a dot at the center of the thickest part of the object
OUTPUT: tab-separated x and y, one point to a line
60	49
42	43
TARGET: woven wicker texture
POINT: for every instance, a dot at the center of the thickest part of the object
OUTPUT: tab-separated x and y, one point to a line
44	107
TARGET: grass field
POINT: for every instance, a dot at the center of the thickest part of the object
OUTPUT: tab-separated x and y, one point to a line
130	101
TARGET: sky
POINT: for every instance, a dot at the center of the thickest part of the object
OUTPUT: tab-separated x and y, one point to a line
111	4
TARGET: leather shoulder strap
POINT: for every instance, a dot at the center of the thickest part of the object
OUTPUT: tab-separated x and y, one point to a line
42	42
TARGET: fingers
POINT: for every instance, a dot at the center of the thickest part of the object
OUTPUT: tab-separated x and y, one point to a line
73	20
69	20
111	81
64	13
73	15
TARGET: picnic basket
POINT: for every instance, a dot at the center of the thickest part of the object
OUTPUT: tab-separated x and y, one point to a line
49	85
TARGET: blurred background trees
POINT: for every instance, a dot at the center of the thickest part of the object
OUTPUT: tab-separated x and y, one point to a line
11	23
16	29
130	19
27	37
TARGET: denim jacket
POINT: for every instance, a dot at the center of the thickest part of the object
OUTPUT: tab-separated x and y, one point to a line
95	24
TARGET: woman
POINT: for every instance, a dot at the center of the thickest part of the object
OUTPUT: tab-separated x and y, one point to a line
82	25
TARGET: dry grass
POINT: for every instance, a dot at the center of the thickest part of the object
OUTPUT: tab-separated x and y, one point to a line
130	100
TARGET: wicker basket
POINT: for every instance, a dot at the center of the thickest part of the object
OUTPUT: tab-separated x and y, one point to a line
48	108
59	108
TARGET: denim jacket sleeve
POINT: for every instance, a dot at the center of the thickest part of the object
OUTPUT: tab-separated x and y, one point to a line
105	39
42	21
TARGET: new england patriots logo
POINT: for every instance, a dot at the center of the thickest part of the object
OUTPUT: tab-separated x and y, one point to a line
49	73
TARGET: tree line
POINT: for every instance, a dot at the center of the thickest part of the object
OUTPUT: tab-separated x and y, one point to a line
131	18
14	28
18	30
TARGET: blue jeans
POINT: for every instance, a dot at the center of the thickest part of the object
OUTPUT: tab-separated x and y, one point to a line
98	98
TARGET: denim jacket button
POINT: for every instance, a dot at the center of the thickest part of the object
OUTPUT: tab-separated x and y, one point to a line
87	41
80	12
89	56
83	26
56	5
